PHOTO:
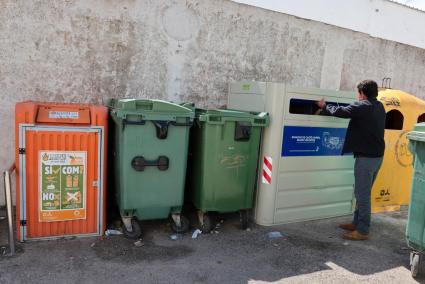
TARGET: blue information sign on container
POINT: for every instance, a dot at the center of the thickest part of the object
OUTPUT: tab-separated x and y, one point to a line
312	141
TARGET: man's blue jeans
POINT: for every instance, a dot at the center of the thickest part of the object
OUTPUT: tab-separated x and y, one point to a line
365	172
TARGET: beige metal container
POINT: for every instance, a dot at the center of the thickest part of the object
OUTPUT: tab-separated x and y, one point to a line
303	175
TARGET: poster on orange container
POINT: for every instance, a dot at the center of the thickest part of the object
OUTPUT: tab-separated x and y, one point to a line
62	185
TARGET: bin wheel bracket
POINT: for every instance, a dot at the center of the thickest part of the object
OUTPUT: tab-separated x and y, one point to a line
180	223
415	260
206	221
136	229
244	217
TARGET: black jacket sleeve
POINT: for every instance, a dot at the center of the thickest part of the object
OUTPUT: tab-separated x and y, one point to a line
349	111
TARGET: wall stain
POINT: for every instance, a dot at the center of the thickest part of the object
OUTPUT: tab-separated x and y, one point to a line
75	51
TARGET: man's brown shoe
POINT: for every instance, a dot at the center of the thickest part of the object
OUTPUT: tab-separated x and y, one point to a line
348	227
355	236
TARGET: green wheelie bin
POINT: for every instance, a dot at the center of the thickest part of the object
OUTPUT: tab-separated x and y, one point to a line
415	230
150	149
224	149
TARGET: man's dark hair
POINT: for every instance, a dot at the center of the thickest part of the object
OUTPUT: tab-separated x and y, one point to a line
369	88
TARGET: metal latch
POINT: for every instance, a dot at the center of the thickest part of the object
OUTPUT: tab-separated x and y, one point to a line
21	151
95	183
23	222
242	131
161	127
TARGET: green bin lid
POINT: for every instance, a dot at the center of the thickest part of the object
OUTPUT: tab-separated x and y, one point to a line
219	116
147	108
188	105
418	133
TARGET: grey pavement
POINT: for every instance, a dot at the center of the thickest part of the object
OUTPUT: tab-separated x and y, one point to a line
310	252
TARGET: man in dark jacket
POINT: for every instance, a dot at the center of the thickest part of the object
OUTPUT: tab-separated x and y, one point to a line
365	139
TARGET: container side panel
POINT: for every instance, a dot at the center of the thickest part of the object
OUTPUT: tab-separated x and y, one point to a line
394	181
150	193
309	178
227	180
415	231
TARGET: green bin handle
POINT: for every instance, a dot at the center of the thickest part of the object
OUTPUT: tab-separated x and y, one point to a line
139	163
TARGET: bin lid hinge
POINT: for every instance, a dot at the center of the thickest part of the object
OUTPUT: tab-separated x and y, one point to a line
23	222
22	151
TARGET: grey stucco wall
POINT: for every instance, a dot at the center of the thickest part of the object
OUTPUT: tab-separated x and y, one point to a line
88	51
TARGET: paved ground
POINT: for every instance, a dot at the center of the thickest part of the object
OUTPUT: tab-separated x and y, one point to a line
310	252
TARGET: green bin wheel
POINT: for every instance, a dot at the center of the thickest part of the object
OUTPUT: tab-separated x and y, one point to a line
208	224
184	225
414	264
136	230
244	215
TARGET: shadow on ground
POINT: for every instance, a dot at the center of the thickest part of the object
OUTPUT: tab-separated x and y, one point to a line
310	251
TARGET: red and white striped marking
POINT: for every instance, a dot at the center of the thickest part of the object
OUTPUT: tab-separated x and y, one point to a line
267	170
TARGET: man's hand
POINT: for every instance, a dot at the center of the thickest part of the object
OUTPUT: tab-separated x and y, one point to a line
321	104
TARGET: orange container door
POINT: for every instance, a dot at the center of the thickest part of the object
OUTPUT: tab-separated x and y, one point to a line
62	195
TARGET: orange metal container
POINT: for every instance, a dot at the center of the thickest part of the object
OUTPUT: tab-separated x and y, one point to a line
61	170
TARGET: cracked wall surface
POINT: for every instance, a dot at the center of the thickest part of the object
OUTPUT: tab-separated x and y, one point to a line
89	51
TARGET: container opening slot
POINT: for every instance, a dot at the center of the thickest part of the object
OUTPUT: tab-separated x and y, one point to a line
421	118
308	107
394	120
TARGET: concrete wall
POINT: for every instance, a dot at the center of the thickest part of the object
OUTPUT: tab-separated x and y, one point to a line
88	51
379	18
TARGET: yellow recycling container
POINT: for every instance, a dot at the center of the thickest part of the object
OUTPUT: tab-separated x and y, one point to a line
392	186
